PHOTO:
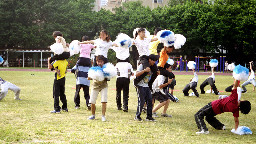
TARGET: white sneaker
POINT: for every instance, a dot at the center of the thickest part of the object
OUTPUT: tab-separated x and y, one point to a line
17	98
154	115
103	118
192	94
92	117
223	128
202	132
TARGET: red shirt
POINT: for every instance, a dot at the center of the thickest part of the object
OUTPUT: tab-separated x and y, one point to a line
228	104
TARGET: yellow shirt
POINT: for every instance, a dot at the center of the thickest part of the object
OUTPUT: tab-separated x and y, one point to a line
60	65
153	46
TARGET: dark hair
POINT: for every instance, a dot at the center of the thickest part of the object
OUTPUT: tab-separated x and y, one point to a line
139	30
100	57
56	33
171	47
157	30
153	57
85	38
108	36
245	107
166	66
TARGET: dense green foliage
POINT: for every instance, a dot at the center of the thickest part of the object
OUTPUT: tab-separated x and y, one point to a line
209	26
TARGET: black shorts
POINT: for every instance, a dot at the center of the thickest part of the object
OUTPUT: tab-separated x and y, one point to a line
82	61
160	97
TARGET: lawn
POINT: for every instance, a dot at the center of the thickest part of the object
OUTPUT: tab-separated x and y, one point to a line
30	120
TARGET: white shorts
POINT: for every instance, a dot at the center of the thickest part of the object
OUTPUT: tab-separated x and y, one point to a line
95	93
252	81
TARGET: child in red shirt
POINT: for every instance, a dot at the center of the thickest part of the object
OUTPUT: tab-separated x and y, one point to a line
229	104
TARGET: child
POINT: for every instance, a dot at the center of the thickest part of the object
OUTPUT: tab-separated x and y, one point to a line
155	46
142	44
143	91
60	67
124	71
5	86
85	51
192	85
159	94
229	104
251	79
99	86
209	81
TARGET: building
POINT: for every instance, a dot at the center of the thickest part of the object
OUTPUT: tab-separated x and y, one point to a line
152	3
98	4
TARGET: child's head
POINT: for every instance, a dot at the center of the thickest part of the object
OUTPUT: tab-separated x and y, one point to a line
104	36
57	33
157	30
152	59
169	49
85	38
168	67
141	33
245	107
100	60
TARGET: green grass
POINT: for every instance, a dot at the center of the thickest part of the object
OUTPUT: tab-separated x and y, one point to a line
30	121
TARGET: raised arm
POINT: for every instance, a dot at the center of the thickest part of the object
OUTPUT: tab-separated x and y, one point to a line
251	66
87	42
154	39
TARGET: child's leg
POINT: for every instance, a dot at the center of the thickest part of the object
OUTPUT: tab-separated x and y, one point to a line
56	95
186	89
166	106
104	99
158	96
126	93
15	89
93	99
141	100
4	90
205	83
93	107
63	98
254	84
149	102
213	86
77	96
153	76
119	86
199	117
211	119
244	84
229	88
86	95
193	87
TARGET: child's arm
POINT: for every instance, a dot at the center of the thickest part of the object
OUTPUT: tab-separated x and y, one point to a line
87	42
166	84
141	72
49	64
154	39
236	84
236	122
251	66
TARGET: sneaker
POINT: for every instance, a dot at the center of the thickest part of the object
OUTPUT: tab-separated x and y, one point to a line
92	117
202	92
144	110
154	115
150	119
192	94
17	98
89	108
103	118
65	109
125	110
54	111
223	128
176	99
202	132
119	108
77	107
138	118
166	115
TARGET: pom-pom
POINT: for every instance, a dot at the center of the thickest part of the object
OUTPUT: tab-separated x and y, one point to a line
191	65
170	62
123	40
222	96
167	37
241	73
109	70
213	62
96	73
1	60
57	48
74	47
231	66
147	33
179	41
242	130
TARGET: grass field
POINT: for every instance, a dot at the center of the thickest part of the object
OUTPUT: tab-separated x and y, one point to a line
30	120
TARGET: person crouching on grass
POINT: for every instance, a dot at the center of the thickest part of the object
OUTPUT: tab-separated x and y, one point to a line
99	86
60	67
229	104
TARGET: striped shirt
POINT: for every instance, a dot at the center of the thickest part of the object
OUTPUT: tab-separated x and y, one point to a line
82	75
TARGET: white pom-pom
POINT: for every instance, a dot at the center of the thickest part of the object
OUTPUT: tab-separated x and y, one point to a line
166	37
109	70
1	60
213	63
74	47
222	96
170	61
179	41
242	130
241	73
191	65
231	66
57	48
123	40
96	73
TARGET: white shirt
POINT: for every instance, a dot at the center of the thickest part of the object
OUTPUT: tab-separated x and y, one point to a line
123	69
142	46
156	84
121	53
252	76
102	47
195	78
212	76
